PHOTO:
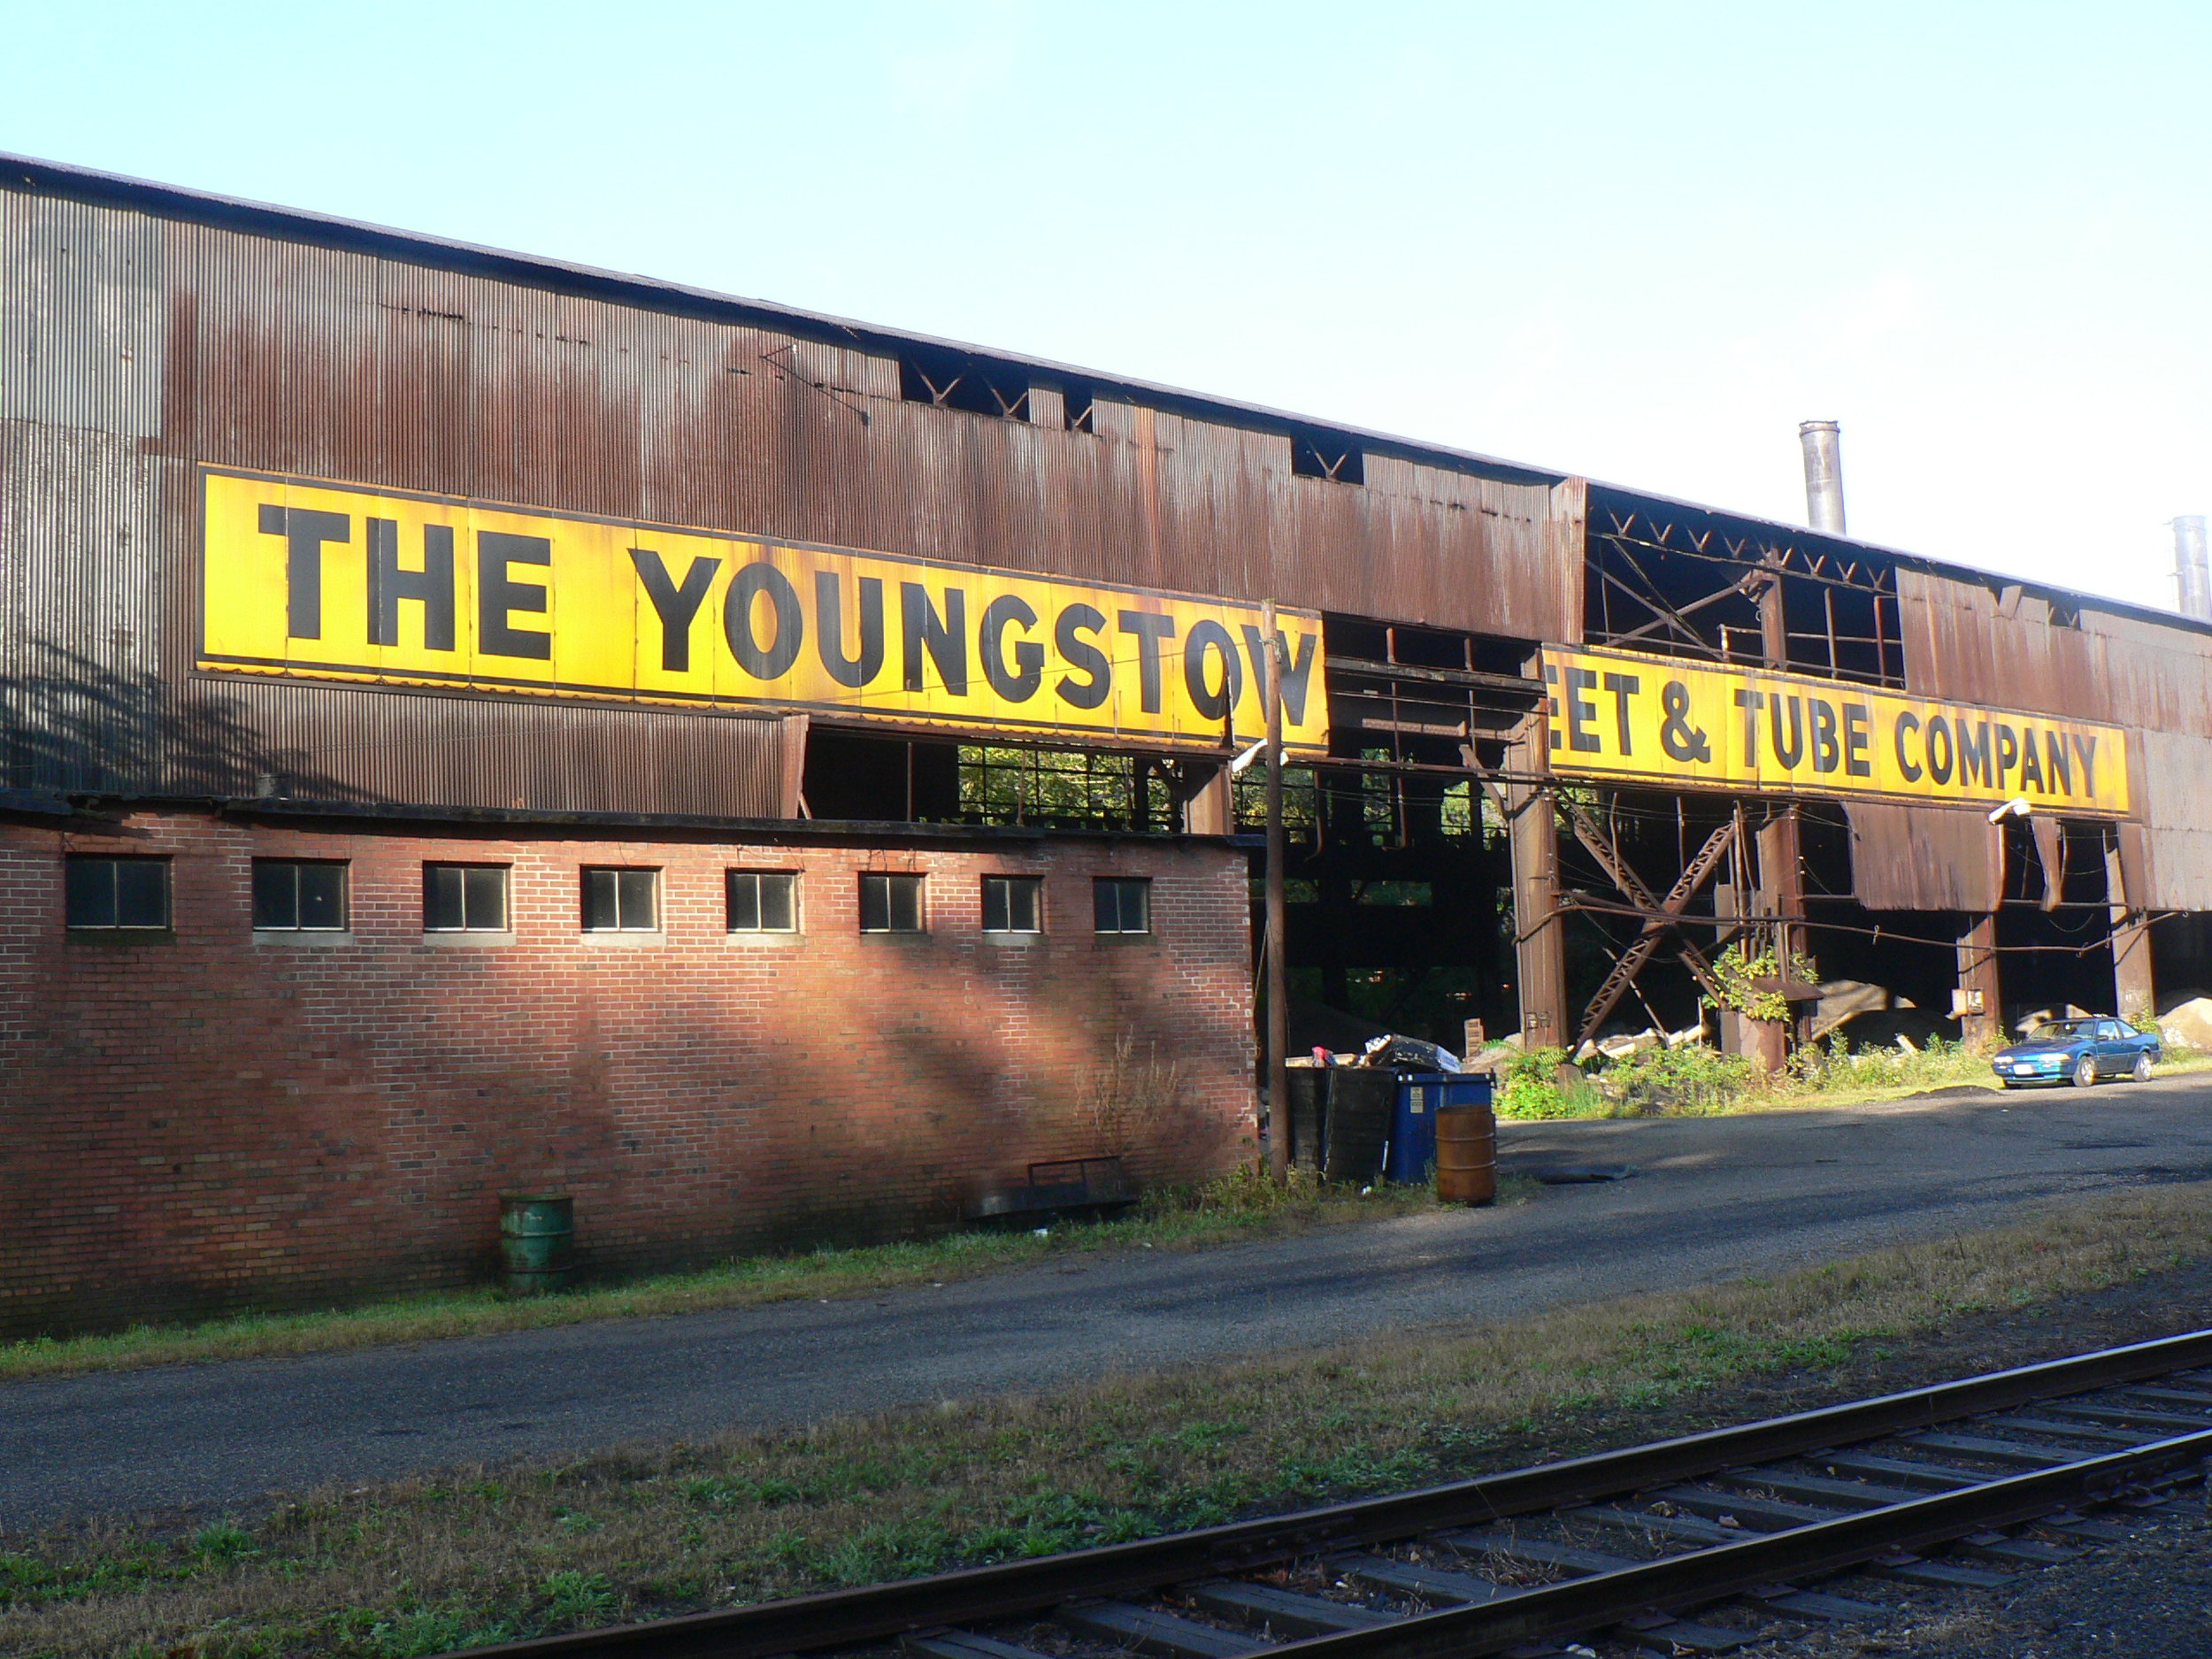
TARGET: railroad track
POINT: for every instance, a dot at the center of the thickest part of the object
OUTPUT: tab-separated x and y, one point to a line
1697	1545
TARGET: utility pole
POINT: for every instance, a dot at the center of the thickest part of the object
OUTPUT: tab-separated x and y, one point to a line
1277	991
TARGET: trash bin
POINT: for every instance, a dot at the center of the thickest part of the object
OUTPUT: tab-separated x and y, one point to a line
1421	1094
537	1232
1466	1154
1308	1113
1362	1101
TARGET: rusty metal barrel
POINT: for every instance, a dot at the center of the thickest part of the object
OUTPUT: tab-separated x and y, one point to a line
1466	1155
537	1234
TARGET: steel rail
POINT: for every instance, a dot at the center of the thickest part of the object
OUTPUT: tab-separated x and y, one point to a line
1011	1589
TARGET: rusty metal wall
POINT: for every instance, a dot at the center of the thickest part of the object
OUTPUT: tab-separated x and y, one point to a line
139	347
1925	858
1996	642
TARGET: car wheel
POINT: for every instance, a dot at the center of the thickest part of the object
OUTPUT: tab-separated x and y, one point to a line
2086	1071
2142	1071
2006	1083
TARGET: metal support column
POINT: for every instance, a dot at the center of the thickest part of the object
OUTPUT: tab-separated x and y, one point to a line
1533	836
1981	1016
2134	994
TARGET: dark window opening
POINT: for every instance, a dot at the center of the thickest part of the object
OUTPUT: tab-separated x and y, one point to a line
464	898
1325	455
621	901
764	902
1079	406
299	895
116	895
1122	904
1013	904
953	379
890	905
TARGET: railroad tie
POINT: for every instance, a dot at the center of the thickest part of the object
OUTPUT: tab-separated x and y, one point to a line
1535	1551
2074	1431
1438	1585
2125	1416
960	1644
1165	1635
1904	1471
1750	1515
1688	1528
1280	1613
2040	1455
1948	1575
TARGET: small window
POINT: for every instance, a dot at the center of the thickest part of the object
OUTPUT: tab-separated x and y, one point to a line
890	905
764	902
464	898
1122	905
1013	904
299	895
116	895
621	901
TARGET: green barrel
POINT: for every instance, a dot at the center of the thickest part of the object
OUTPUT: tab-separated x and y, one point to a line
537	1234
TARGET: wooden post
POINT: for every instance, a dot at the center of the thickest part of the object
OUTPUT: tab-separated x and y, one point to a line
2134	993
1982	1011
1277	980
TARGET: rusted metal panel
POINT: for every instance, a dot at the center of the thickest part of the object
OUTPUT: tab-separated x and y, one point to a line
2176	775
1925	857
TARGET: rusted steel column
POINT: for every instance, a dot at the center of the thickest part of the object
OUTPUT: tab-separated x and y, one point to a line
1982	1016
1781	895
1277	980
2133	993
1533	837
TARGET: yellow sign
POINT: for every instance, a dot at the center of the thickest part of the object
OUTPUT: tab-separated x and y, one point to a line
1614	714
333	582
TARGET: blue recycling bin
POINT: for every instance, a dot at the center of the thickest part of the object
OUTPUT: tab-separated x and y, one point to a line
1412	1157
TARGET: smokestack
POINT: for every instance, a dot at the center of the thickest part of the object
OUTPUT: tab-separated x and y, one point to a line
1824	475
2191	566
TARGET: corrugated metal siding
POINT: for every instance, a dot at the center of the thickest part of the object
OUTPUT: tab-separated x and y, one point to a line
1925	858
1961	643
139	349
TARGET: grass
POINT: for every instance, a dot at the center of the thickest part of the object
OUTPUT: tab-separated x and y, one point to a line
419	1566
1237	1207
1696	1081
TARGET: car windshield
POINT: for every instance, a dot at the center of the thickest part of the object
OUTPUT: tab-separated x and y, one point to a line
2063	1030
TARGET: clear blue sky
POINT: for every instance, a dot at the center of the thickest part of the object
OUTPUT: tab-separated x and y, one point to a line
1640	243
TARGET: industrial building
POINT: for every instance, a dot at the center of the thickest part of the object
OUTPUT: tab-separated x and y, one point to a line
477	723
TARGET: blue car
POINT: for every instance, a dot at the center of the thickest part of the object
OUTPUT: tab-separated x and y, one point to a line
2077	1051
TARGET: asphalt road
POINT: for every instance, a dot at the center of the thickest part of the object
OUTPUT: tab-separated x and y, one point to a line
1713	1199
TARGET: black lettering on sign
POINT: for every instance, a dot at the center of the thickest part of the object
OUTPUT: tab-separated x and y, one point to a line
1939	767
1680	739
675	605
2030	762
1579	737
1791	753
1073	622
1974	766
773	660
1623	687
432	585
1751	703
2008	751
944	638
1858	721
498	597
829	630
2060	763
1907	768
1150	627
1296	675
2086	748
304	532
1827	752
1209	638
1018	682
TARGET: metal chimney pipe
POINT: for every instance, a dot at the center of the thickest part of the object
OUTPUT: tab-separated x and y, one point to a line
2192	566
1824	475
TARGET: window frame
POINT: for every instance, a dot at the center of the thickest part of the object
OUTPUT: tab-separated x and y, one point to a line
1008	884
117	928
344	867
1122	885
506	898
896	881
730	879
623	887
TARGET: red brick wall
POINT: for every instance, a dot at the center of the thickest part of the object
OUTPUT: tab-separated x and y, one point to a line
223	1120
